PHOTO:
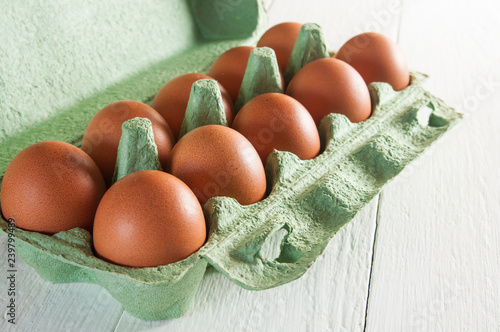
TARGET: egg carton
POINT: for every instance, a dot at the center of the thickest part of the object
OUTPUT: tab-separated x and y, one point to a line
310	200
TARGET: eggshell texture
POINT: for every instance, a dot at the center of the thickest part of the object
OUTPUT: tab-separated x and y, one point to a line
377	58
172	99
277	121
229	69
102	136
329	85
148	218
216	160
281	38
50	187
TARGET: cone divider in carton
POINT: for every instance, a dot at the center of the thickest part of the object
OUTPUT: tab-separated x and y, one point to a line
262	75
137	150
309	46
204	106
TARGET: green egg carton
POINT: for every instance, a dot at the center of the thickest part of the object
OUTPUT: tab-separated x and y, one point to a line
311	200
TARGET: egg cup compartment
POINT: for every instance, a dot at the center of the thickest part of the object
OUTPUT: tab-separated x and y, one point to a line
310	200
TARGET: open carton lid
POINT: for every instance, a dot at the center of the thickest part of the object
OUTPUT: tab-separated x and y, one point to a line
62	64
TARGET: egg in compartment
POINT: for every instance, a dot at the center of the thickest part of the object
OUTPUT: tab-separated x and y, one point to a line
329	85
148	218
102	135
229	68
172	99
281	38
377	59
215	160
277	121
50	187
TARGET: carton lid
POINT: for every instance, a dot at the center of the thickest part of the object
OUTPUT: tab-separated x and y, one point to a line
62	63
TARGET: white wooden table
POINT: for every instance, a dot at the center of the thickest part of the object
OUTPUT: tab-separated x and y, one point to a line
424	255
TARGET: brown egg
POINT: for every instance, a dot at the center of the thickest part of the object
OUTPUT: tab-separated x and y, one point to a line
377	58
215	160
51	187
329	85
103	133
281	38
148	218
229	69
172	99
277	121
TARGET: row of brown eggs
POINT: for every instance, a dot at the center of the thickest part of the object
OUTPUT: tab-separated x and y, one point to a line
152	218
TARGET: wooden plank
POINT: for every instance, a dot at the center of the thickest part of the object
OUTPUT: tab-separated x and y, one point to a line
436	260
43	306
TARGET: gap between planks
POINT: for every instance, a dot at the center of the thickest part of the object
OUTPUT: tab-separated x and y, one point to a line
399	21
380	196
377	215
268	4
